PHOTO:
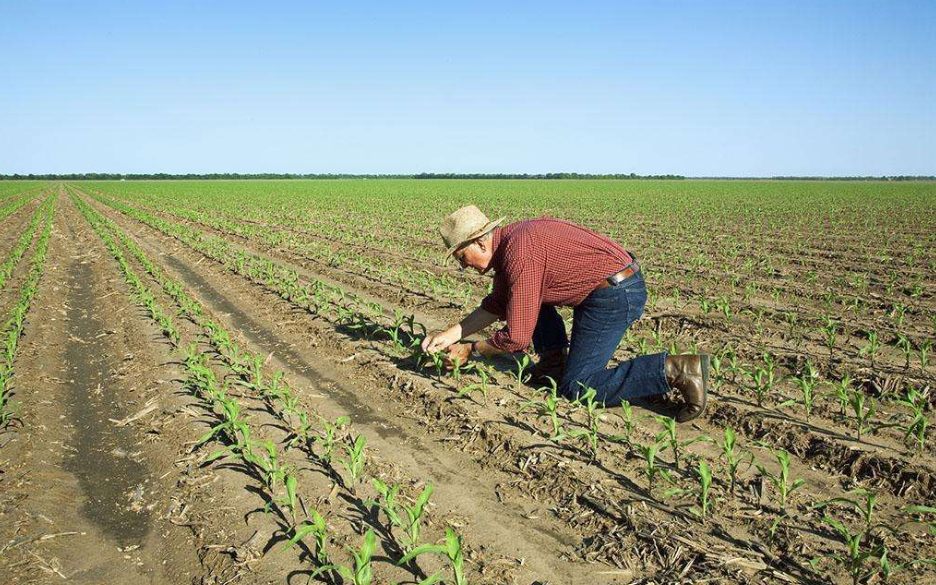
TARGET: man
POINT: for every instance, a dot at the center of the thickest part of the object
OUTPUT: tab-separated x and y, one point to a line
544	263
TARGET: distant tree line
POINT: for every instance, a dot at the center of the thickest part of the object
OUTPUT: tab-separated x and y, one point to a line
808	178
546	176
239	176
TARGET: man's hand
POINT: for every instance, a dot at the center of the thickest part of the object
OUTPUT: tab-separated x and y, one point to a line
440	341
459	352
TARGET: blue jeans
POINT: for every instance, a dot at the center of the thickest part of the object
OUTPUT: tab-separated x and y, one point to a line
598	324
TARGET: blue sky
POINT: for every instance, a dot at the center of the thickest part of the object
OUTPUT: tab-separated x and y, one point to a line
696	88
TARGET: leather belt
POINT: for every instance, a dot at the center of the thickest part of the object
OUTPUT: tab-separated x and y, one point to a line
619	277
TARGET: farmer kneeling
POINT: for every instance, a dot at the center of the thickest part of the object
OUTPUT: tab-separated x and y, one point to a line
546	263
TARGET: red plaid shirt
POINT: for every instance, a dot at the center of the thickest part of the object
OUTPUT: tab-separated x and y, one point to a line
544	262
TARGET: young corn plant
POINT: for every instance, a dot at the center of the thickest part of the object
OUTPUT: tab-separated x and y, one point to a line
361	573
412	525
329	437
915	426
317	528
651	469
668	438
781	481
829	329
906	348
923	351
841	391
704	491
355	460
452	550
590	433
863	408
734	458
872	348
763	380
807	382
549	408
387	502
482	386
522	365
627	424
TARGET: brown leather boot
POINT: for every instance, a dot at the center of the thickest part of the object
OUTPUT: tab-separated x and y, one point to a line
551	364
689	375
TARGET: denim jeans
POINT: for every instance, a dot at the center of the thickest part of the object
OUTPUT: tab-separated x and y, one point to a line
598	324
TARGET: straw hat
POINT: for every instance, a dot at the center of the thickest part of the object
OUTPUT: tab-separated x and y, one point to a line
466	224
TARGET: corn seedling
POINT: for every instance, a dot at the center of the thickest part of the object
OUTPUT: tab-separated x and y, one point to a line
414	516
481	387
863	408
318	529
872	347
329	436
627	423
830	328
668	437
841	391
452	550
387	502
522	364
548	407
651	468
781	481
762	383
705	484
915	428
923	350
807	383
354	462
906	348
361	573
734	458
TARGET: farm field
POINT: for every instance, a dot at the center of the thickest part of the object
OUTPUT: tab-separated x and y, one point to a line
220	382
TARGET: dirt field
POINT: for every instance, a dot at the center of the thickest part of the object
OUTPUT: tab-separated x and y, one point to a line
151	322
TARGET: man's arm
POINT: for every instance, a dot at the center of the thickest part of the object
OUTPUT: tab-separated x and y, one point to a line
474	322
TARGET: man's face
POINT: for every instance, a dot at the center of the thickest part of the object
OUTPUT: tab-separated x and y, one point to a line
476	254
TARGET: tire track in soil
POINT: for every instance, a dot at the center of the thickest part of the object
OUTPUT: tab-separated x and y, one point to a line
539	540
101	460
83	489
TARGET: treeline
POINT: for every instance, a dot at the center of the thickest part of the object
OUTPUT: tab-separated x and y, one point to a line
251	176
546	176
792	178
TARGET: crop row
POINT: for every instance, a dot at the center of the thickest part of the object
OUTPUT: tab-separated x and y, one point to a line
318	439
15	321
16	203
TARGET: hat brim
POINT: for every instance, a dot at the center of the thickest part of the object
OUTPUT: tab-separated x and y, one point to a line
484	230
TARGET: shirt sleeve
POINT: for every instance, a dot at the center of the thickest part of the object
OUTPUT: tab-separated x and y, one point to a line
524	295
